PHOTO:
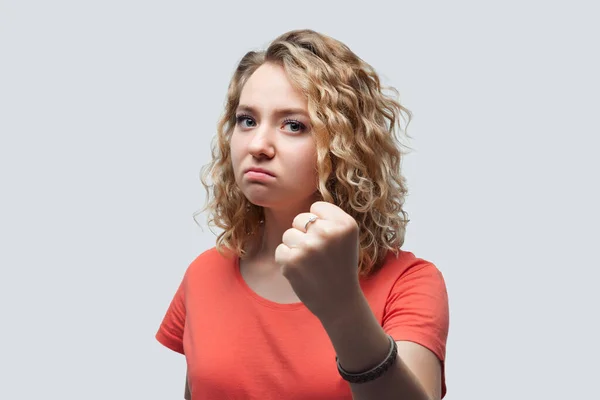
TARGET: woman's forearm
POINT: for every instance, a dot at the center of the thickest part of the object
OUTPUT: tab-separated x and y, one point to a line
361	344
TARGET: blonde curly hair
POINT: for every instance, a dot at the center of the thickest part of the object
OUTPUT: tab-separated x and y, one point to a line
355	125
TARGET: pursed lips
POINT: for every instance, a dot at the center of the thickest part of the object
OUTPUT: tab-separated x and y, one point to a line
260	170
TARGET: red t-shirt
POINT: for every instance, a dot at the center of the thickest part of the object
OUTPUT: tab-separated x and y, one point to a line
239	345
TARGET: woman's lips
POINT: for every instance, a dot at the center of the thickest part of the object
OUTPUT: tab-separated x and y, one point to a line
259	174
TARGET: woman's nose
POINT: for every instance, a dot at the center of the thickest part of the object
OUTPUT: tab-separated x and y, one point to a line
262	142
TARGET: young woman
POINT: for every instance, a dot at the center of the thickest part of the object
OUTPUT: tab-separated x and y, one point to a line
307	294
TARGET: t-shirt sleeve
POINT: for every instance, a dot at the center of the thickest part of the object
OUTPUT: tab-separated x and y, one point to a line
417	310
170	331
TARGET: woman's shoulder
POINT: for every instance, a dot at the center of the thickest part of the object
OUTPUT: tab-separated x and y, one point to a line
208	261
401	270
407	286
402	264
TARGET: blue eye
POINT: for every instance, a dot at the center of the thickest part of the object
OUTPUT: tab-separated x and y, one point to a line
245	121
295	126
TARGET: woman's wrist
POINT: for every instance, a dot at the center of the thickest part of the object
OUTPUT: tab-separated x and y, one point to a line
359	341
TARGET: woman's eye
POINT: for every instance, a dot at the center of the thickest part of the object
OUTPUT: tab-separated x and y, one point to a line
295	126
245	121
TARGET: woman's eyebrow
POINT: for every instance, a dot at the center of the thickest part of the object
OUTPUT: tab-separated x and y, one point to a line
278	112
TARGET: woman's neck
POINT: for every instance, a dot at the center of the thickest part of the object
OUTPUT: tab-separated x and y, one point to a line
271	233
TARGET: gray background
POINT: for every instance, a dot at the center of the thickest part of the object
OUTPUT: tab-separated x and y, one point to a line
107	109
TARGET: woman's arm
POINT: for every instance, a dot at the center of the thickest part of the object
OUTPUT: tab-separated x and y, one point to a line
416	374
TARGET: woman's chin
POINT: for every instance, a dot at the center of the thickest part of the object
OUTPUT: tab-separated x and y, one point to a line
270	201
261	201
279	200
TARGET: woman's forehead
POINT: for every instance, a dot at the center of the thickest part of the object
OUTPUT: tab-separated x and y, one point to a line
269	88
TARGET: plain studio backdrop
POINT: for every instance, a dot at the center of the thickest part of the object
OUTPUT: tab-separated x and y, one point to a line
107	110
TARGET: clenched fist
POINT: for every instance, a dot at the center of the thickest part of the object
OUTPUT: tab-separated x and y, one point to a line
319	257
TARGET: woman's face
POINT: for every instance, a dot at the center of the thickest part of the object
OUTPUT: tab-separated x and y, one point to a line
273	135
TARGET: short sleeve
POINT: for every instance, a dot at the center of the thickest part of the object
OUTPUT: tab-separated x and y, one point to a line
170	332
417	310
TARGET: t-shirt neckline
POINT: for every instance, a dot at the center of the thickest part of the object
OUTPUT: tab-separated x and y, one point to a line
258	298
